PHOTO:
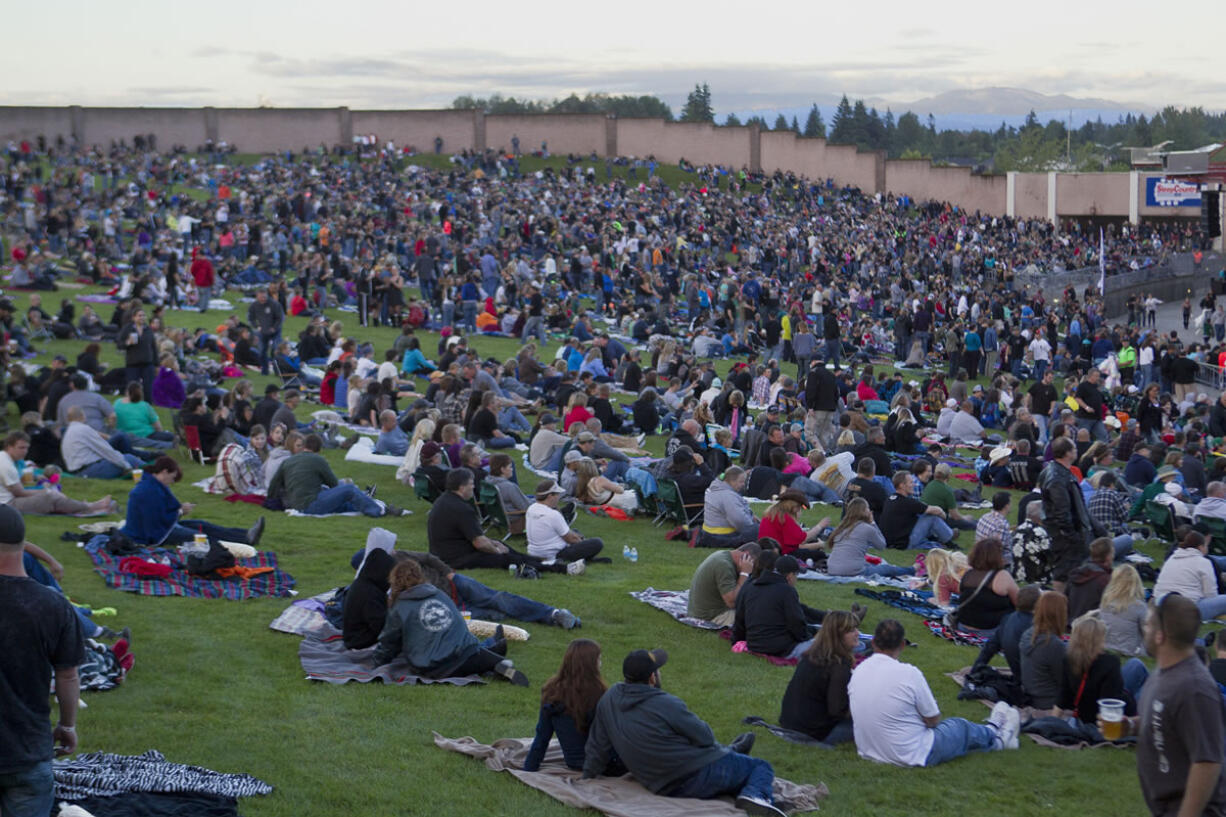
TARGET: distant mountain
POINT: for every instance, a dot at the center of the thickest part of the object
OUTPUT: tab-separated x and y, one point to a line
979	108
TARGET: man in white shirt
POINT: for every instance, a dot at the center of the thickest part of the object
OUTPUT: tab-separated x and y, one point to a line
1040	351
896	719
964	428
550	537
45	500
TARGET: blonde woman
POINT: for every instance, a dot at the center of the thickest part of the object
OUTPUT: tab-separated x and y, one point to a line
424	430
1123	611
1091	673
593	489
945	571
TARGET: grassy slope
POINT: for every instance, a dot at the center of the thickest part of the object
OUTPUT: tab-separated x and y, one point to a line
214	686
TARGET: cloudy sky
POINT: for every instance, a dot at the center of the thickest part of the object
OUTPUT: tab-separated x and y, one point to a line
382	54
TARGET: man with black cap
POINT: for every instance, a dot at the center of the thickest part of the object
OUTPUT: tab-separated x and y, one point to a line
39	635
264	410
668	748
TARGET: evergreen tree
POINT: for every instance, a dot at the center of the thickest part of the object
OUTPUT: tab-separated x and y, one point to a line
698	105
781	122
732	120
841	128
795	126
815	128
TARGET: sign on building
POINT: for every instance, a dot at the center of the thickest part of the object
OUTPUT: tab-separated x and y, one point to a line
1161	192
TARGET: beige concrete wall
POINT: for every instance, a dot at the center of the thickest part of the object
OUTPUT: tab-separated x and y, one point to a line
1095	194
699	143
787	151
268	130
418	128
565	133
172	126
919	179
1030	195
19	123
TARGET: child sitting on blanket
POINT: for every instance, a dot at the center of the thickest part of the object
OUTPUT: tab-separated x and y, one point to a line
945	569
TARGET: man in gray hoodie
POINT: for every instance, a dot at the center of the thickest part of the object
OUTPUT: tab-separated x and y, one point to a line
727	520
668	748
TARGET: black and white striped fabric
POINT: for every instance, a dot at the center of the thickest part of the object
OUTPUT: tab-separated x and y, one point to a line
100	774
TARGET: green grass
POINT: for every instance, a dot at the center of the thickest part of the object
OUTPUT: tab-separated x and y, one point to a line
214	686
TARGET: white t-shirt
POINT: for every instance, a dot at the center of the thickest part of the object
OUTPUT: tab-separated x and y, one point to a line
1041	350
8	476
545	527
388	369
889	701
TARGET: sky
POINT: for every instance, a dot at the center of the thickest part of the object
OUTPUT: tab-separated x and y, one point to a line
378	54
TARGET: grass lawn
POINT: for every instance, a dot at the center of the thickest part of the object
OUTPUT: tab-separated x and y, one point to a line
214	686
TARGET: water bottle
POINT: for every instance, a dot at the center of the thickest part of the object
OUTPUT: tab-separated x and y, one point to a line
634	554
625	552
512	569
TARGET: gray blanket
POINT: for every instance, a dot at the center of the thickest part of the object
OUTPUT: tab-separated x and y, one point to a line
615	796
328	660
673	602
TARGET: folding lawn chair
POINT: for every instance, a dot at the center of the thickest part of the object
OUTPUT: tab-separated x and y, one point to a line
1162	517
496	512
672	507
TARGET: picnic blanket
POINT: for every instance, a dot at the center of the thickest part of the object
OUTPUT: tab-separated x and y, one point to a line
364	451
99	774
615	796
540	472
178	582
333	418
913	602
304	616
328	660
901	583
673	602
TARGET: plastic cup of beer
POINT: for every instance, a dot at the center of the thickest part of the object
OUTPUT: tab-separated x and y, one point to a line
1111	713
468	615
202	541
137	474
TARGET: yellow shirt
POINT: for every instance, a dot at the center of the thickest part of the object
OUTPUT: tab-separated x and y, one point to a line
785	327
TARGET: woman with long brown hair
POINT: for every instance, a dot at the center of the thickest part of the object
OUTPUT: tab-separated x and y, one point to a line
816	701
1042	650
851	540
568	701
424	625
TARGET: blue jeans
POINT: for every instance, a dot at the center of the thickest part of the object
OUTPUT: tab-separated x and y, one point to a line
490	443
187	529
1212	607
1123	545
495	605
834	349
36	571
512	419
1098	431
955	737
887	569
27	793
343	499
816	491
1040	367
616	470
841	733
928	530
1134	673
732	774
105	469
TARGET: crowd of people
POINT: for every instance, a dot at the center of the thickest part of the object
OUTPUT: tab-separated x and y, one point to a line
872	340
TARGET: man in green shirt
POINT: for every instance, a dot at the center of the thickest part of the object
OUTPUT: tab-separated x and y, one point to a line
306	483
717	581
937	492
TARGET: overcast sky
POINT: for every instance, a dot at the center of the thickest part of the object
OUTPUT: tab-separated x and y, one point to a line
377	54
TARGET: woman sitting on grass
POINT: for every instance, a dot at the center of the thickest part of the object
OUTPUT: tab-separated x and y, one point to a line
137	418
1123	611
1091	673
780	523
850	542
568	701
816	701
424	626
1042	651
593	489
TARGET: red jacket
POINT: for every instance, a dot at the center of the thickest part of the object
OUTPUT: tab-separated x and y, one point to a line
202	272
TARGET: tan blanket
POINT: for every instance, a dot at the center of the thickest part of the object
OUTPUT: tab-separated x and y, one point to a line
615	796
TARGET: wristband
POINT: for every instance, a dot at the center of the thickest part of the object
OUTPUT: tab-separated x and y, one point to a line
66	728
743	573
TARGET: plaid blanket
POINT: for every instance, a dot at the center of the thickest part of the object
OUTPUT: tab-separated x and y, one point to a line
304	616
328	660
181	583
673	602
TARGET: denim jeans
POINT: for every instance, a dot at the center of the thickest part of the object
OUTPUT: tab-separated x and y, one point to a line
800	649
36	571
469	309
205	295
841	733
887	569
187	529
1041	421
816	491
1135	673
494	605
733	773
512	419
1040	367
105	469
616	470
955	737
1211	607
1098	431
28	792
492	443
929	529
343	498
834	350
1123	545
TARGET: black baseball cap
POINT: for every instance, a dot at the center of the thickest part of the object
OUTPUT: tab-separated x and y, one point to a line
640	664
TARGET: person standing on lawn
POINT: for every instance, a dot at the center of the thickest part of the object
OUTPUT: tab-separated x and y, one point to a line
40	636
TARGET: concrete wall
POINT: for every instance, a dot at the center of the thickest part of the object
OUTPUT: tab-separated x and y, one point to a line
256	130
418	128
1030	195
19	123
952	184
695	142
264	130
565	133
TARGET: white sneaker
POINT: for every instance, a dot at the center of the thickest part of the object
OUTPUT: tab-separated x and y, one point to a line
1007	723
576	568
756	805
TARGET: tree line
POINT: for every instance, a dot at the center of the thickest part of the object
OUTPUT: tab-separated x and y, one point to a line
1032	146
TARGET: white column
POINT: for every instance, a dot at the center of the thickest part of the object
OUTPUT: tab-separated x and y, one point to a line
1010	193
1134	198
1051	198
